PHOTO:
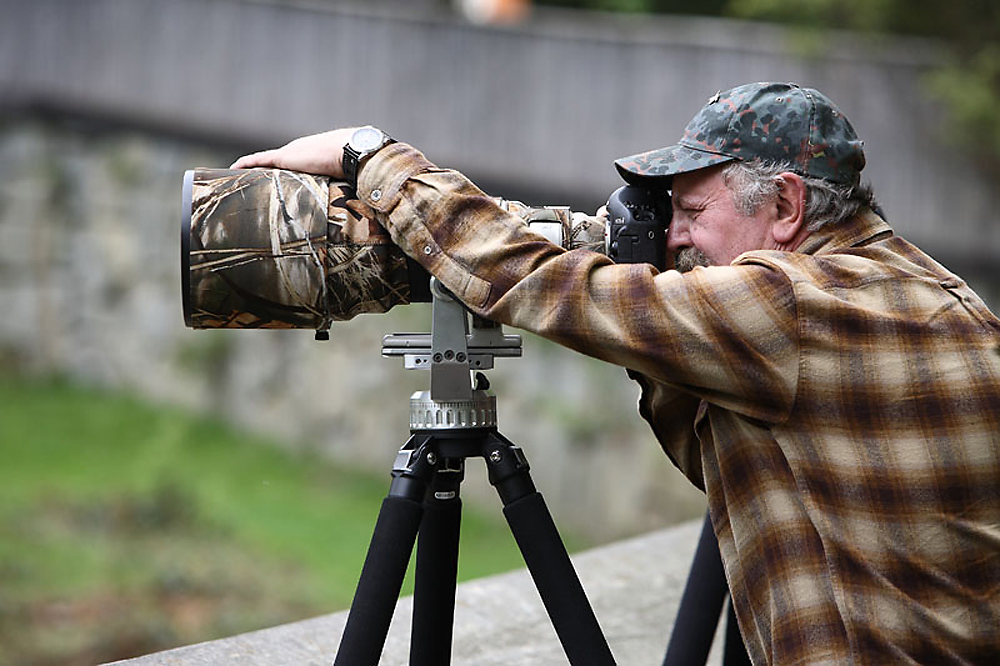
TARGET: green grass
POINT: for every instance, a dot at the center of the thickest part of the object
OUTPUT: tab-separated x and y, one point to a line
127	527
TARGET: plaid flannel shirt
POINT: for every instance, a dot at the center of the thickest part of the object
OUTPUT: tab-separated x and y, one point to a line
840	406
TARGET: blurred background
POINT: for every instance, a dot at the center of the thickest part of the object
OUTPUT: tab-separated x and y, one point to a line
161	486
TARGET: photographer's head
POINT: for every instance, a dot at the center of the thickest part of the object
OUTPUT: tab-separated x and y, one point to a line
712	226
759	167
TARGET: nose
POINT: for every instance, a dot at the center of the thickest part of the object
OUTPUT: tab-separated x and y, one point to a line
678	234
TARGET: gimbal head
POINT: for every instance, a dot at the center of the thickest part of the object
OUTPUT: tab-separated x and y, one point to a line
452	352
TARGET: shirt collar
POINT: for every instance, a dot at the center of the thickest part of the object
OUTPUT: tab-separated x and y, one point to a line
863	228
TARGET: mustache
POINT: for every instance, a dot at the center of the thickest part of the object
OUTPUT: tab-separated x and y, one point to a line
689	257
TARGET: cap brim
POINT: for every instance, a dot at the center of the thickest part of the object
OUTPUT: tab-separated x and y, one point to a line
656	168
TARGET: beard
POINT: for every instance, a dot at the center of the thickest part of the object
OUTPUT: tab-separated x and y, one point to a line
689	257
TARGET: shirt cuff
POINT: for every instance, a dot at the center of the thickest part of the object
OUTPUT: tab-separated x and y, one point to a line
384	173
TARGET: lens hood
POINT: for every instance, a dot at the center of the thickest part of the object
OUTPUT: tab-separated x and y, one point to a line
186	246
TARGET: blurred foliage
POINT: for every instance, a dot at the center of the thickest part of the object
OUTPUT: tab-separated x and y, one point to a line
127	528
971	88
968	83
962	22
705	7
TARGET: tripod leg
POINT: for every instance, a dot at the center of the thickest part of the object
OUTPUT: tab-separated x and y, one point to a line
437	569
734	652
385	564
701	604
545	555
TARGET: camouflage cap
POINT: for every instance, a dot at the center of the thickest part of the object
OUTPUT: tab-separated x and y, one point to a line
774	122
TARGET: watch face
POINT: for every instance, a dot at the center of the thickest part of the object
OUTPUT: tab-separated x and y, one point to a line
366	138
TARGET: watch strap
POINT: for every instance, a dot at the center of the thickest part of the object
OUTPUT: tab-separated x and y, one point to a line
350	163
352	159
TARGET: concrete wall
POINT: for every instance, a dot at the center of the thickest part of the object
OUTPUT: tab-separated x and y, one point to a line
633	586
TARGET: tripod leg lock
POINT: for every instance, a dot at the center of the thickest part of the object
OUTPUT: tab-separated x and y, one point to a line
508	469
409	462
414	469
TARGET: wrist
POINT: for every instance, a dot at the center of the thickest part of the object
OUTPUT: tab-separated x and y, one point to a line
363	143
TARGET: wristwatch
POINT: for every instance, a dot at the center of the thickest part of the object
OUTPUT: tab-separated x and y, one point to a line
365	142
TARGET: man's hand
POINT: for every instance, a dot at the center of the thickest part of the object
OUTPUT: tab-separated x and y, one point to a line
319	154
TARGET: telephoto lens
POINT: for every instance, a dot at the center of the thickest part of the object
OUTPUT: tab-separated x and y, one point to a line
270	248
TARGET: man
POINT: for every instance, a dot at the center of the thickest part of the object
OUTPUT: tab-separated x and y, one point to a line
834	391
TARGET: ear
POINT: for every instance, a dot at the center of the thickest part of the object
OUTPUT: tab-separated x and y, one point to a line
788	227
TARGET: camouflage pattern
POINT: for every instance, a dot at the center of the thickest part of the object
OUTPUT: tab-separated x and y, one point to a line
256	253
773	122
280	249
365	271
586	232
271	248
578	230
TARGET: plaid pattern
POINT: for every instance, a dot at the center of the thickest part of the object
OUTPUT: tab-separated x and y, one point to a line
840	406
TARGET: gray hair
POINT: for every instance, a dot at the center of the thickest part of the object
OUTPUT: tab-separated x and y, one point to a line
756	182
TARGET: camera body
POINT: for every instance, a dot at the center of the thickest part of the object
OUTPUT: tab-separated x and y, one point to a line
637	226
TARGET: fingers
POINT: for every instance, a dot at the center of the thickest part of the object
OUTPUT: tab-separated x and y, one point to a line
320	154
264	158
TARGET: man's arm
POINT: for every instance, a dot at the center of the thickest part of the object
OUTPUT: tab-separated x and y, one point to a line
726	334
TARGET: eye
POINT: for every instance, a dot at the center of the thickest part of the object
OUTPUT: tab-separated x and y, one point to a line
687	205
689	210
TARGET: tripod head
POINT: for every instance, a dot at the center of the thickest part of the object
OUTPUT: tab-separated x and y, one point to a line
452	352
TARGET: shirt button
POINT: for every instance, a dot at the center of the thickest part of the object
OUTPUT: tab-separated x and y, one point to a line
376	195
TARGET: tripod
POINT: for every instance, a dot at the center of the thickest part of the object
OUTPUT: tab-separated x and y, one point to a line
453	421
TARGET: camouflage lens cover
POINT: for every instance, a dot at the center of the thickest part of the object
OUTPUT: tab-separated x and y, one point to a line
366	271
270	248
578	230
